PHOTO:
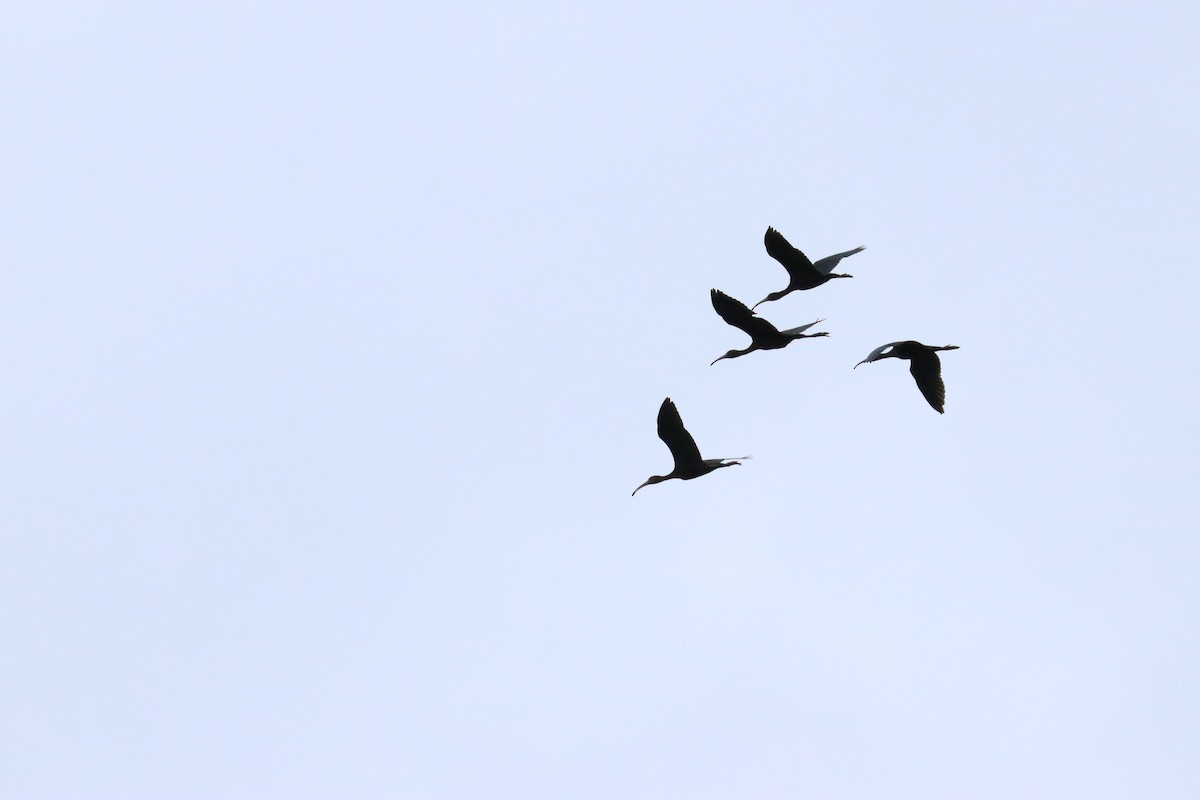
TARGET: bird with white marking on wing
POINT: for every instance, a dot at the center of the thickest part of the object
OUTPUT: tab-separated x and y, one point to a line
924	364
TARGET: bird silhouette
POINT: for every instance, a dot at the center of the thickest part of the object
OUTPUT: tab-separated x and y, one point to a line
804	273
688	463
765	336
924	364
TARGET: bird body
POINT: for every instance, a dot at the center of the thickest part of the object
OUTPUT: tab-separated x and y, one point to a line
688	462
924	364
763	334
803	273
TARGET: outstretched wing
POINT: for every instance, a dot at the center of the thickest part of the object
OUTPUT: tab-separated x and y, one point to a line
883	351
735	313
826	264
778	248
803	328
926	369
675	436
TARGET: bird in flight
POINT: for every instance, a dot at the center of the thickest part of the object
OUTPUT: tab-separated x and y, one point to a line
688	463
803	273
763	334
924	364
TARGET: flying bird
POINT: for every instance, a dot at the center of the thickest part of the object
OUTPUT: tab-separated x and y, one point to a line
924	364
688	463
763	334
804	274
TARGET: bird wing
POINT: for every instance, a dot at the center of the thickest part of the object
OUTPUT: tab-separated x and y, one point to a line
879	351
802	328
926	369
675	436
778	248
735	313
826	264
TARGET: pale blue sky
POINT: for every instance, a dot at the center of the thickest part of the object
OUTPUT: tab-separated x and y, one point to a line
332	338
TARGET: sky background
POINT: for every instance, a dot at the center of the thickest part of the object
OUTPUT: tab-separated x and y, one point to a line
332	338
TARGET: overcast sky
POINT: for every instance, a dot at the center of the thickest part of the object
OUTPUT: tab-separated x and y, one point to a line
332	338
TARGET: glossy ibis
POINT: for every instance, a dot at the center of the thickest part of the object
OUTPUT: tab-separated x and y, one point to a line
688	463
924	364
804	274
765	336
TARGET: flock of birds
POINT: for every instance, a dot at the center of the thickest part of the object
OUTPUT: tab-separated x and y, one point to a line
924	364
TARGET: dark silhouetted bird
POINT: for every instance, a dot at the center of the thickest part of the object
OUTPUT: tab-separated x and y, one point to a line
688	463
924	364
765	336
804	273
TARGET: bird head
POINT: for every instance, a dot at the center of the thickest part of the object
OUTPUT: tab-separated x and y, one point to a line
769	298
651	480
730	354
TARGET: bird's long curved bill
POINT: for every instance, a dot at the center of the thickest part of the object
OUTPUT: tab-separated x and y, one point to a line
859	364
715	360
644	485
